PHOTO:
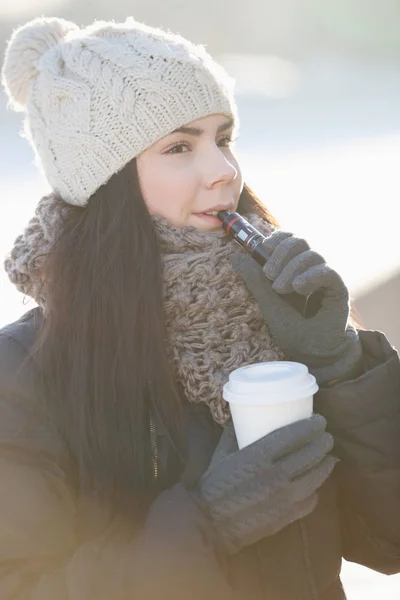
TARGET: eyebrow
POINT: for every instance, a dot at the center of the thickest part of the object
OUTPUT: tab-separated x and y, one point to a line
197	131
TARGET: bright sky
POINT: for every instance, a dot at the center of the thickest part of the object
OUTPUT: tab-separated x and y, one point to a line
343	198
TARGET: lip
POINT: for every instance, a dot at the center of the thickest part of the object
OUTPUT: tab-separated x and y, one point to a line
213	221
217	207
210	219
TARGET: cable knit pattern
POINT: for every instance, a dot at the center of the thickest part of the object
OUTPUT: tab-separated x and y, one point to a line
21	66
214	324
97	97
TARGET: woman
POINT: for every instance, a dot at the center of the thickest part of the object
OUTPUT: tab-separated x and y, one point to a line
121	477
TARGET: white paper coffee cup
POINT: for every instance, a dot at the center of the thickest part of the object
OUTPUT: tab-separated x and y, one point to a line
266	396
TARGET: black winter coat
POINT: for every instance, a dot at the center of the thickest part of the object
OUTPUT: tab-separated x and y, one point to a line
54	547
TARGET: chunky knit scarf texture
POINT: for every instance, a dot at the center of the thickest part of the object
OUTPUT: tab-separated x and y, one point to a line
214	325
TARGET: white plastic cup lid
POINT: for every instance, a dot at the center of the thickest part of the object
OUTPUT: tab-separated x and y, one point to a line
269	383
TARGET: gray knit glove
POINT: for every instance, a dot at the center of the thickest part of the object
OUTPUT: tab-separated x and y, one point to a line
255	492
325	343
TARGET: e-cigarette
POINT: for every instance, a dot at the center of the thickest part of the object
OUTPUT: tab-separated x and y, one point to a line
239	229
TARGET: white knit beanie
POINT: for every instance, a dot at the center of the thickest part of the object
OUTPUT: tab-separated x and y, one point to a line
97	97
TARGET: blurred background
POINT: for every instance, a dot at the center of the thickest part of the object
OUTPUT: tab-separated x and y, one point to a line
318	88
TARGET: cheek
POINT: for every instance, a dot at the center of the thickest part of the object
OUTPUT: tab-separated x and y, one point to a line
169	194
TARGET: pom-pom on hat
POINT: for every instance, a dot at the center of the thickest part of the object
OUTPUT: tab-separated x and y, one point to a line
97	97
26	47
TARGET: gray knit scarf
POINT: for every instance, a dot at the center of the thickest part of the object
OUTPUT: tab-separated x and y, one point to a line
213	323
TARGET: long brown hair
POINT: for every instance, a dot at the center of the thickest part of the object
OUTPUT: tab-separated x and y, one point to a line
102	349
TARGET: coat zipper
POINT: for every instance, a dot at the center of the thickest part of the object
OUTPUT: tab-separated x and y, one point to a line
154	448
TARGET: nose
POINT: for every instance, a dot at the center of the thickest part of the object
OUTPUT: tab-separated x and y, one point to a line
220	170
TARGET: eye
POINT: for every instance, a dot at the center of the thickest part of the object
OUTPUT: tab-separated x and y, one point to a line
178	148
226	141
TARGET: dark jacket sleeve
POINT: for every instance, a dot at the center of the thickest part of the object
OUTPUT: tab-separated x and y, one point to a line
363	416
41	552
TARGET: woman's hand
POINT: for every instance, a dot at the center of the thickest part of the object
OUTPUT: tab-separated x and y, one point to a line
325	342
255	492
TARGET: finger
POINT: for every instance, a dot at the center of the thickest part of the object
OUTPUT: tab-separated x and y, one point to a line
313	479
260	525
319	277
273	241
272	304
252	274
291	437
294	512
286	441
283	284
297	463
283	253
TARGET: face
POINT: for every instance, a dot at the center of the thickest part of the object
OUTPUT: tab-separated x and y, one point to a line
191	172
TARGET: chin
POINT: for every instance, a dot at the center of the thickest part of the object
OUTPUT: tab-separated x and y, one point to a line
206	225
